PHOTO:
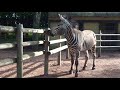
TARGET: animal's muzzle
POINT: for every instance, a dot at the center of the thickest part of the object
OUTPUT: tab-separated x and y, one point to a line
50	33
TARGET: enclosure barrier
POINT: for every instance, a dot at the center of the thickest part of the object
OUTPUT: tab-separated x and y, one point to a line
19	30
100	46
48	52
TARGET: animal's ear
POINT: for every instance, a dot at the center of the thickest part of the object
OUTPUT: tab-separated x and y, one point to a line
61	17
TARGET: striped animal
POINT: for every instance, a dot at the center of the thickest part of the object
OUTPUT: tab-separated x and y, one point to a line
77	41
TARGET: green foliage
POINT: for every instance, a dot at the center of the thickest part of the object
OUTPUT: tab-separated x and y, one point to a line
41	37
25	18
9	39
44	20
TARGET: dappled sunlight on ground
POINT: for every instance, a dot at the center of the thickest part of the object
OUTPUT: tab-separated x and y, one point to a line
107	66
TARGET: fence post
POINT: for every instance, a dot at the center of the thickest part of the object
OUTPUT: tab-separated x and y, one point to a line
99	54
59	53
47	44
19	50
67	51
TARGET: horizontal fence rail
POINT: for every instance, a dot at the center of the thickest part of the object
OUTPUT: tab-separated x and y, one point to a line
25	30
58	49
7	29
108	40
107	34
7	61
32	54
19	44
107	46
29	43
100	42
57	41
7	45
11	45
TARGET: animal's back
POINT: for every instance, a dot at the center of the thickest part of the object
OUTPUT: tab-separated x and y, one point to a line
87	39
90	34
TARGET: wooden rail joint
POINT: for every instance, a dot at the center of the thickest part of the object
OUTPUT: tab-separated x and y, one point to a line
46	43
47	31
48	53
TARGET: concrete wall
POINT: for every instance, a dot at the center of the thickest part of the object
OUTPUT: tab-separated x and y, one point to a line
119	33
94	26
87	25
118	27
100	18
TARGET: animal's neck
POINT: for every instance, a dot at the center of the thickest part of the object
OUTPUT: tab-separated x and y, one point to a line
70	36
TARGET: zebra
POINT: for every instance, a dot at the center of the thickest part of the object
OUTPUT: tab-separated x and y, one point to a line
77	41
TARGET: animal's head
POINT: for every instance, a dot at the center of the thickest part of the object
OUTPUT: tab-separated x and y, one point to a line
62	27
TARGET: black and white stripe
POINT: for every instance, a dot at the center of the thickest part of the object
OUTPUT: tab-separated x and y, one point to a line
75	42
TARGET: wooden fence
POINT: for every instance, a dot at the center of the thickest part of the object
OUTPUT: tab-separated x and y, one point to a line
19	44
99	47
19	30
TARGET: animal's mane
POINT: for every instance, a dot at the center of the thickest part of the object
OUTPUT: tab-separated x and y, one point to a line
71	21
77	31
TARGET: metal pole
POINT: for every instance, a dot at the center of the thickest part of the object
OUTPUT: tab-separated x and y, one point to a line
99	54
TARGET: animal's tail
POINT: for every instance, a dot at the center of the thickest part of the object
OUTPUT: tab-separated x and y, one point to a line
95	38
94	35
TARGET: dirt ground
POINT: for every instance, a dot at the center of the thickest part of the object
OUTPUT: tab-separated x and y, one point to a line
107	66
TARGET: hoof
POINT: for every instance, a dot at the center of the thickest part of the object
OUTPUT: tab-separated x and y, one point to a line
93	68
70	72
76	74
74	71
84	68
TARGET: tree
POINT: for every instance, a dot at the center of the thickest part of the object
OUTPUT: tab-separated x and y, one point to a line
36	24
28	19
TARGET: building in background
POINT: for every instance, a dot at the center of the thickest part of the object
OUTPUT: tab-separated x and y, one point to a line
107	22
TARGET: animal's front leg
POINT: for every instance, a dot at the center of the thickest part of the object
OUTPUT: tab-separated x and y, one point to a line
72	62
76	64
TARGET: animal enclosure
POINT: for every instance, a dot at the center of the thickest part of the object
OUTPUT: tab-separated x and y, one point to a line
19	44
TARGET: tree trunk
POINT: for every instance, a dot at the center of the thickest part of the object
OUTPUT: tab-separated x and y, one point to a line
36	25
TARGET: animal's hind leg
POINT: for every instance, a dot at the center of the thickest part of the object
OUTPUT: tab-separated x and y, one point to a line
93	50
86	59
